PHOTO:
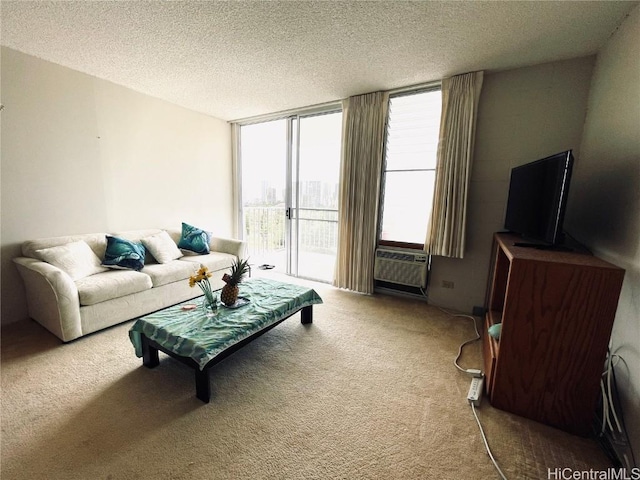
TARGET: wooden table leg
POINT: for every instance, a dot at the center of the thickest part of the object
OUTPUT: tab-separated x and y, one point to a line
307	315
203	385
149	354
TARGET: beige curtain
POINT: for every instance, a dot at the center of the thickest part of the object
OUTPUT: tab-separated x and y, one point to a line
364	120
446	231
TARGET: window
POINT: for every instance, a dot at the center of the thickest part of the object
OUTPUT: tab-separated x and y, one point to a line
409	167
289	182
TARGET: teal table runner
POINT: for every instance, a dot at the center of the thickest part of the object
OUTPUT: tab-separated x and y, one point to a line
189	333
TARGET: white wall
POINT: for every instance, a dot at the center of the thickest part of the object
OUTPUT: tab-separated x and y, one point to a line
605	198
82	155
523	115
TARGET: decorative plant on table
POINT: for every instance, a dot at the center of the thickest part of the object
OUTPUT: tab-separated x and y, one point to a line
239	269
201	278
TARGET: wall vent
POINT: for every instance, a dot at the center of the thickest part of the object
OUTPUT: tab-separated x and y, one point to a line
401	267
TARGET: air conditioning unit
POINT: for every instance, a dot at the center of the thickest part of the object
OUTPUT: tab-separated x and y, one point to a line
401	267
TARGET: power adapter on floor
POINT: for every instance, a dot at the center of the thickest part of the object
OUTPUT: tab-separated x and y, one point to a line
475	391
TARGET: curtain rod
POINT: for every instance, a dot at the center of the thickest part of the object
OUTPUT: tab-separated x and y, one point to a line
419	86
325	106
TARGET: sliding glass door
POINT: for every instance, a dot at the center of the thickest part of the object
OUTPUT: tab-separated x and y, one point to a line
315	207
263	153
289	193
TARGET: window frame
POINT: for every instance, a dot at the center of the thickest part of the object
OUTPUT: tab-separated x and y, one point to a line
383	176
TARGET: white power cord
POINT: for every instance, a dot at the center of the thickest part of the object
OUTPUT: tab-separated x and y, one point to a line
609	396
611	422
474	372
484	439
608	407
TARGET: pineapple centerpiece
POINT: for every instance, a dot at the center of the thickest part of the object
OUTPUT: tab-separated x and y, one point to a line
239	269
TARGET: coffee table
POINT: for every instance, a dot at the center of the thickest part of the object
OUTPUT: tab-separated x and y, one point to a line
200	342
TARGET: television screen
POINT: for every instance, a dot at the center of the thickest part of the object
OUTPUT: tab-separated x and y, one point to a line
538	198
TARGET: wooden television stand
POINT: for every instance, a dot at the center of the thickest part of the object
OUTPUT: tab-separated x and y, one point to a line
557	310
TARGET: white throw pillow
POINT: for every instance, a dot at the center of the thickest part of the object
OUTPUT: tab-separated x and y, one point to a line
162	247
75	258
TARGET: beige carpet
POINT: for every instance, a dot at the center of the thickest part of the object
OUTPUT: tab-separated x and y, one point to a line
368	391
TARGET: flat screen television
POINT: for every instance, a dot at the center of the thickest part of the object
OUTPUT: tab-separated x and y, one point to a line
538	199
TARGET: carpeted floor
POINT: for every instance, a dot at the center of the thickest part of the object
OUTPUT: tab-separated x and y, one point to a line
369	391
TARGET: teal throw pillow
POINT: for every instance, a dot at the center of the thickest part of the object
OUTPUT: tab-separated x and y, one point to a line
194	239
494	330
123	254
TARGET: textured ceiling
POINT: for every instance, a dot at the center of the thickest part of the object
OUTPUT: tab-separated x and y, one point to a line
235	60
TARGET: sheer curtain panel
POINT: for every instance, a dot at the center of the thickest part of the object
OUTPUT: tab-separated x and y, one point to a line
364	120
446	231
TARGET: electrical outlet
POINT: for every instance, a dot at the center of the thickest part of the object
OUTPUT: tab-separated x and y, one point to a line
447	284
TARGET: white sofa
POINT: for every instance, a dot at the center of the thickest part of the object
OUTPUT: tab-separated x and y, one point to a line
72	308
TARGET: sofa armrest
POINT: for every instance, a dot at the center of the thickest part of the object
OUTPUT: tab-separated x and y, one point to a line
52	297
228	245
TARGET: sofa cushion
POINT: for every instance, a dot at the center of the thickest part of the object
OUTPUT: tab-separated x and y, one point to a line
75	258
137	236
96	241
194	239
162	274
112	284
214	261
123	254
162	247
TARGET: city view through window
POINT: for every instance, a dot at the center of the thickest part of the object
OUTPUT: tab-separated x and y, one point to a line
304	245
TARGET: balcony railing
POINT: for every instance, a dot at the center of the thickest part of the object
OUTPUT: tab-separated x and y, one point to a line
265	229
